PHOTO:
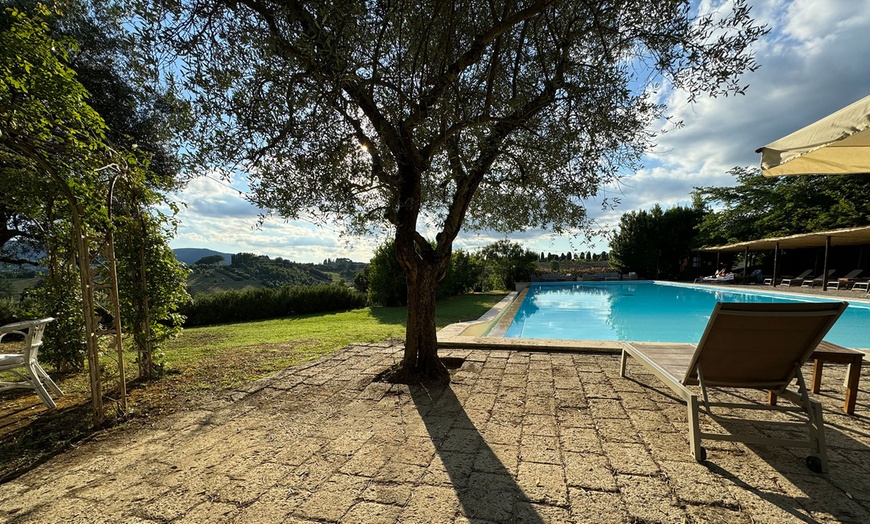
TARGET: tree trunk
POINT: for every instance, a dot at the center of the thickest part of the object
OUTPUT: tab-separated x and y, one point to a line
421	360
424	267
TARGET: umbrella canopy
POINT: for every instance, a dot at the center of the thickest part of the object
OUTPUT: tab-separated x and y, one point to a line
838	144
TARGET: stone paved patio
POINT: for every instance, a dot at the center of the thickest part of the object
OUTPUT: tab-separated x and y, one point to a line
527	437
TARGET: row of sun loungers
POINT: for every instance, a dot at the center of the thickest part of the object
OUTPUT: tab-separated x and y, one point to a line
850	281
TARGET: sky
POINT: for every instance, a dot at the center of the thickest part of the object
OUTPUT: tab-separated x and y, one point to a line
813	62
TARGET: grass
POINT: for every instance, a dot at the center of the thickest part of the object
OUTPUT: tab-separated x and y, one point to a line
228	355
201	360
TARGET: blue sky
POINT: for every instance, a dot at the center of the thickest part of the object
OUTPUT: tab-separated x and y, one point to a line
815	60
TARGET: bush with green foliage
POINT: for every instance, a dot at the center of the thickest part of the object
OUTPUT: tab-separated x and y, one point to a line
10	311
386	283
463	275
361	280
262	303
507	263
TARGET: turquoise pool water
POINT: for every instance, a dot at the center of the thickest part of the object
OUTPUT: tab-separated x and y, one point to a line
652	312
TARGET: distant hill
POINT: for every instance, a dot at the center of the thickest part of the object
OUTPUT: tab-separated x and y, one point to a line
190	255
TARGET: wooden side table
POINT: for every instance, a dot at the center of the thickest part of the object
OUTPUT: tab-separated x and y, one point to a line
828	352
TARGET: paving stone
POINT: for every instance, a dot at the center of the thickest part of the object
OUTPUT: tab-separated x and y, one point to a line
617	430
489	496
450	468
574	418
273	506
537	448
540	404
649	499
584	440
430	505
633	459
396	471
695	484
371	513
497	458
527	513
540	425
716	515
497	432
333	499
595	507
589	471
387	493
542	483
606	408
367	461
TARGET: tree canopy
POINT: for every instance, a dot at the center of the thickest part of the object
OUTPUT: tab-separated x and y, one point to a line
427	117
656	243
64	184
762	207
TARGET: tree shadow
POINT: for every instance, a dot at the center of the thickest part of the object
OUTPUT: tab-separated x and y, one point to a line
40	438
485	486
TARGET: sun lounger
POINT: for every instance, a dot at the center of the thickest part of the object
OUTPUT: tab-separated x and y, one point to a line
747	345
798	280
863	285
818	280
850	279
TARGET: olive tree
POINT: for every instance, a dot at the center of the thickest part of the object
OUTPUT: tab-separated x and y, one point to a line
432	116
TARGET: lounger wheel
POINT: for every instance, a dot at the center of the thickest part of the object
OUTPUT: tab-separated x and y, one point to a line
702	456
814	463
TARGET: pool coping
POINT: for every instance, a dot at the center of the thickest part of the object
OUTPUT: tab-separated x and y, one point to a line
487	332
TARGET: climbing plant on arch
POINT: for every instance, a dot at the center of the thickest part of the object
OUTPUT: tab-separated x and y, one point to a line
60	173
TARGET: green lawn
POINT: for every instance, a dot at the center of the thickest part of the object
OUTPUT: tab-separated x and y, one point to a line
227	355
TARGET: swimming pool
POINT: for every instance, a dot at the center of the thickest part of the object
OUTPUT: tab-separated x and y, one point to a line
647	311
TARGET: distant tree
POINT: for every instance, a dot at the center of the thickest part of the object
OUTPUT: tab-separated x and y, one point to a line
569	256
542	256
394	114
554	265
210	260
508	263
589	255
604	255
653	243
361	280
582	256
244	259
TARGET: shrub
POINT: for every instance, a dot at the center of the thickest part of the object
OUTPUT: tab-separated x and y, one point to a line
463	275
10	311
387	284
508	263
262	303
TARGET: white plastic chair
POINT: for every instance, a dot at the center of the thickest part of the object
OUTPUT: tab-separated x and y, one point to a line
25	364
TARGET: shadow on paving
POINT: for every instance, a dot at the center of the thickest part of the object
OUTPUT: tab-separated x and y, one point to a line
485	487
832	492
